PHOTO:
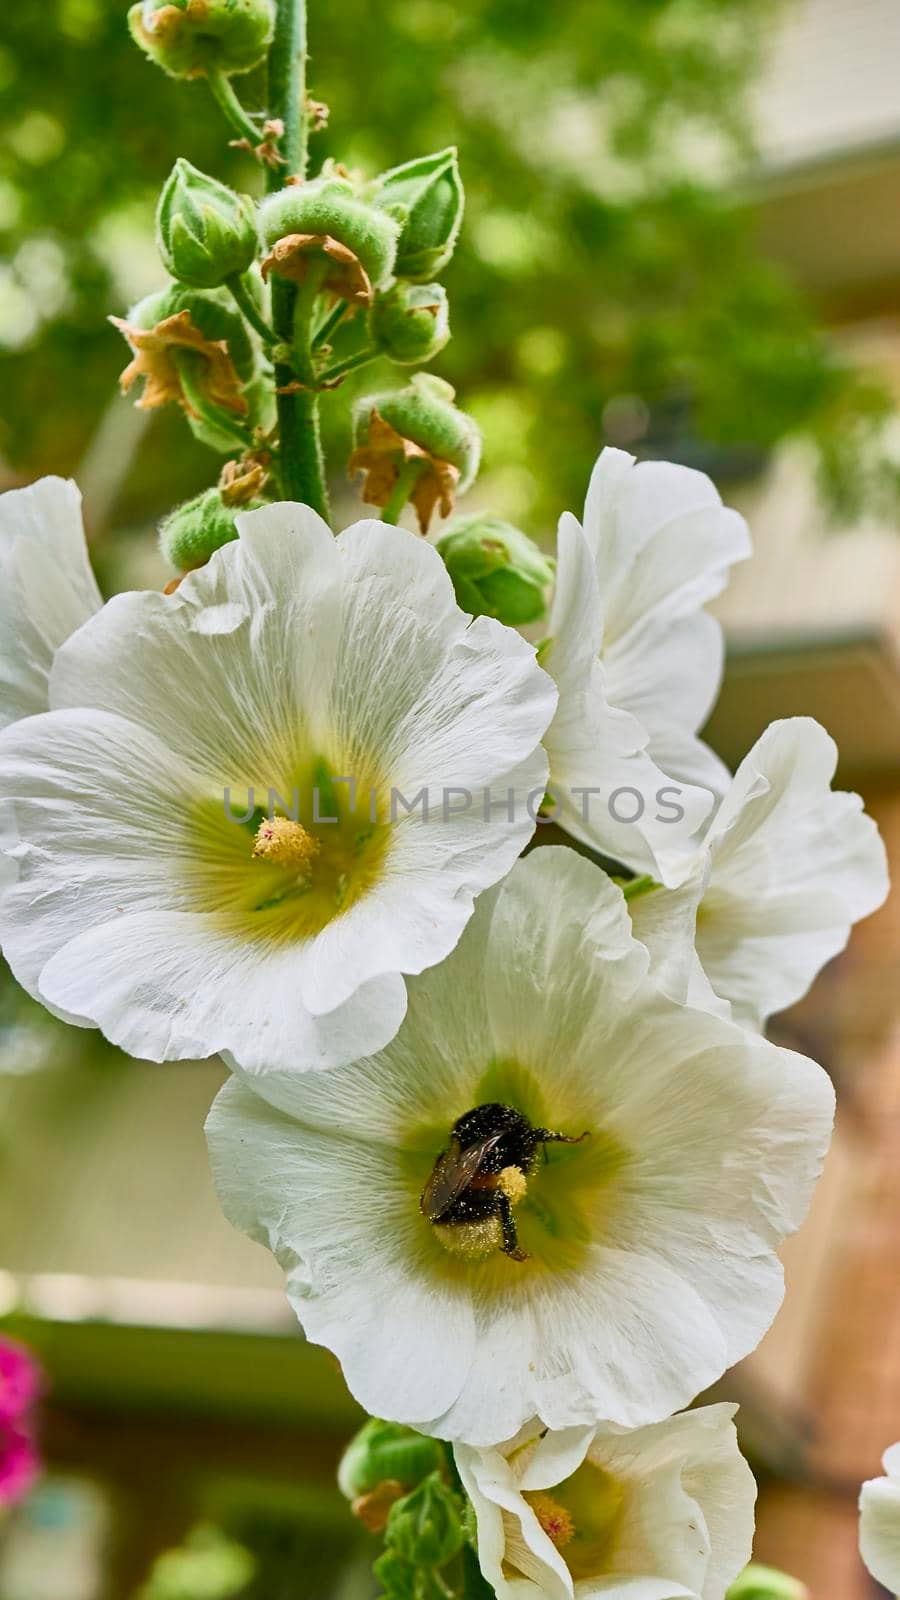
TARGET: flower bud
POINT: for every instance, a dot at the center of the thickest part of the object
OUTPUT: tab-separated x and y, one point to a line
325	221
497	570
386	1450
426	196
191	533
189	38
765	1583
426	1528
205	232
410	322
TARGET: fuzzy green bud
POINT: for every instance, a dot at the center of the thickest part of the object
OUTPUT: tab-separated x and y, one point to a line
189	38
410	323
193	532
426	1527
497	570
301	218
386	1450
205	232
766	1583
424	412
426	196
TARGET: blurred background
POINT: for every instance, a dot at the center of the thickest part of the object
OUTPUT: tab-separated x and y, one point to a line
682	237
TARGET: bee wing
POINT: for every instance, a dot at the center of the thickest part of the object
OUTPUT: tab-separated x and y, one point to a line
453	1172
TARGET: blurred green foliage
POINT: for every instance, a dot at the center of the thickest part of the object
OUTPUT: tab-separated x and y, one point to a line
604	287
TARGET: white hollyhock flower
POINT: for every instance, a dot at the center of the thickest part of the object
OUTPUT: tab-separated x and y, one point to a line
787	867
637	660
647	1514
651	1242
47	588
146	906
879	1523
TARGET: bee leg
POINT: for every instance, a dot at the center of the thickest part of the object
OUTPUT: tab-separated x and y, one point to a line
547	1136
511	1246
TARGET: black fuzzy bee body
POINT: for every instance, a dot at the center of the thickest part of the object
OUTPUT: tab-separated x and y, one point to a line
476	1180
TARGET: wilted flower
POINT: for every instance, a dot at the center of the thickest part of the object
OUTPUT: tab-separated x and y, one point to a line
325	224
653	1512
47	590
190	38
416	428
612	1275
159	900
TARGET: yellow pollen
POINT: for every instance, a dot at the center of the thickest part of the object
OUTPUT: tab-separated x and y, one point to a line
285	843
514	1184
555	1520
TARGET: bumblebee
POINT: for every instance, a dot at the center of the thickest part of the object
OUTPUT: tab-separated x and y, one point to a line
481	1176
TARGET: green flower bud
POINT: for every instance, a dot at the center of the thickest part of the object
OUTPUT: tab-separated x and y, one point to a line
189	38
205	232
765	1583
426	1527
397	1578
497	570
384	1451
426	196
410	322
191	533
326	220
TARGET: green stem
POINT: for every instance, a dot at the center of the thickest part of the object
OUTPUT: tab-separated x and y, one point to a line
635	888
215	415
301	465
331	322
406	482
230	106
247	305
361	359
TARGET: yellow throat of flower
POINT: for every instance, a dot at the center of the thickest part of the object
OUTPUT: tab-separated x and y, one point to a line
285	843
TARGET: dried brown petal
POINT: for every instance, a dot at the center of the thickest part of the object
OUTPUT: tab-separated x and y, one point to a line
383	458
154	362
345	277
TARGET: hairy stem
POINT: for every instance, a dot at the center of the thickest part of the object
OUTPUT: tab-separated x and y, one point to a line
247	305
403	488
360	359
301	465
228	102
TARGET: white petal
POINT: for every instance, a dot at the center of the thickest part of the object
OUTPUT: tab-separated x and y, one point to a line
879	1530
405	1336
601	773
794	865
47	589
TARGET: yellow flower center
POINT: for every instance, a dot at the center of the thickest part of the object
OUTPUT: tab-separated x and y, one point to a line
583	1517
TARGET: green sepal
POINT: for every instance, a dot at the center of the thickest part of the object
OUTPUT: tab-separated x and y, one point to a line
426	1528
189	38
427	196
410	323
330	206
386	1450
205	232
497	571
194	531
424	413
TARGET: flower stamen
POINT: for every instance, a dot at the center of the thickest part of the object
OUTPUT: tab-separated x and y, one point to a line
285	843
555	1520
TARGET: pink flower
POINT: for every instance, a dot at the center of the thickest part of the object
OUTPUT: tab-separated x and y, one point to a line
19	1464
20	1381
